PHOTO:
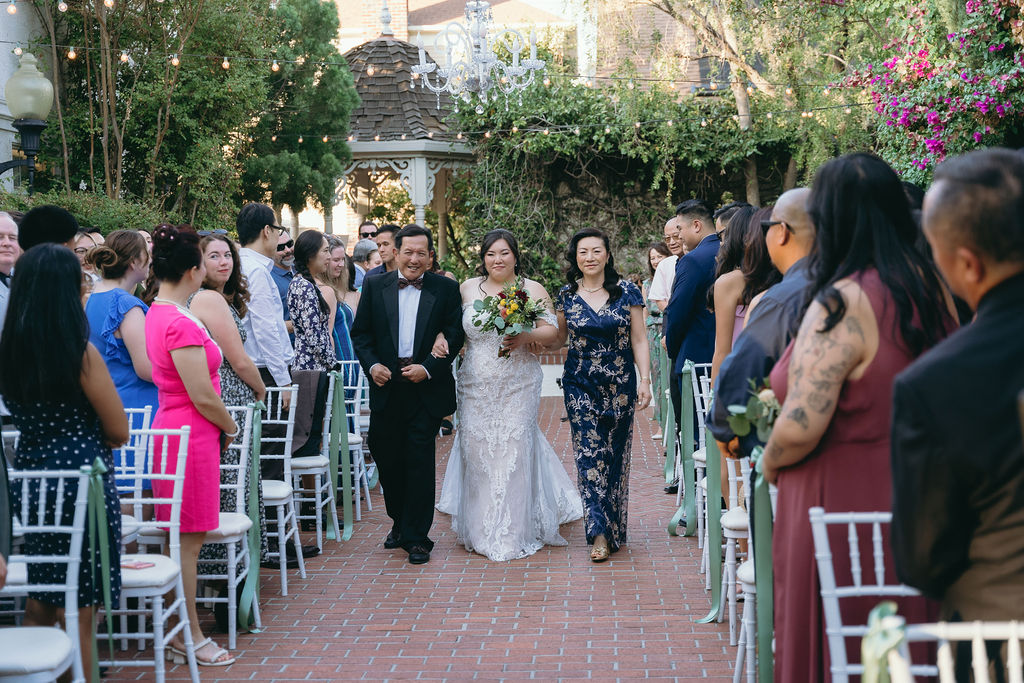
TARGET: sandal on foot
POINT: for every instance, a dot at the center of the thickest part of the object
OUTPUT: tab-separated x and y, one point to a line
600	553
180	656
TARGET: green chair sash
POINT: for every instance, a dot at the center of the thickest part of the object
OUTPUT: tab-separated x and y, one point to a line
251	588
339	445
762	548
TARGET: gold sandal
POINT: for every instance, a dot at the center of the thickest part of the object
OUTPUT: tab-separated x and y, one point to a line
600	552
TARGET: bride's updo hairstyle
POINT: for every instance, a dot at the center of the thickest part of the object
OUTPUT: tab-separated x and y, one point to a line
489	240
113	259
573	273
175	251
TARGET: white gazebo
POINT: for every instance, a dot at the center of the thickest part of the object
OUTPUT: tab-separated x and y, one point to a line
399	133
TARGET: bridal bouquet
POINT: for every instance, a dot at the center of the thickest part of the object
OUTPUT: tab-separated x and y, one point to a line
510	312
759	413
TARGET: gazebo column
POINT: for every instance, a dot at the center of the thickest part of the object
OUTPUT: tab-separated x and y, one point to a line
420	187
441	209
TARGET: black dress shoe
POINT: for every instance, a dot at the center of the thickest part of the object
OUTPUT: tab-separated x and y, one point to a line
391	542
418	555
447	427
672	488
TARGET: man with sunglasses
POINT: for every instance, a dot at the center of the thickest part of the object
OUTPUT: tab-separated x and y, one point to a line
368	230
772	324
284	259
267	340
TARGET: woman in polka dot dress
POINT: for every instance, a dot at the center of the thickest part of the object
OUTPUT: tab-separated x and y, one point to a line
66	407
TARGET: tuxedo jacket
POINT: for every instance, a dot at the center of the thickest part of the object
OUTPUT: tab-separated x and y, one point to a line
375	337
689	325
958	465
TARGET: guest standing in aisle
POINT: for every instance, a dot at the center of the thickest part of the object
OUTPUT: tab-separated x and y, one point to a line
601	317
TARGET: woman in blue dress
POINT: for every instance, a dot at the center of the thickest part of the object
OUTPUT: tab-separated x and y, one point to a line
63	402
117	318
602	318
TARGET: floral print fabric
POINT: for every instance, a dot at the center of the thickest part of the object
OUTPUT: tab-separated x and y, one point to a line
599	383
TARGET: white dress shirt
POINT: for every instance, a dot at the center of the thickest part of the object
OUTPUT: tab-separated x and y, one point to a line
267	341
408	306
664	276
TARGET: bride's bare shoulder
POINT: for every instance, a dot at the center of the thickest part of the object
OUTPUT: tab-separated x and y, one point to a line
470	289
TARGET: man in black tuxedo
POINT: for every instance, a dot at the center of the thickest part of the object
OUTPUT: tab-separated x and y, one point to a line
957	457
399	316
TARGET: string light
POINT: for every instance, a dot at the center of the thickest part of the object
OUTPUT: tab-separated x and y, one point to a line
370	70
630	85
577	130
607	129
459	136
547	132
670	123
273	138
351	138
71	53
403	136
769	115
713	86
636	124
175	61
826	92
300	139
109	4
515	129
225	64
789	91
62	6
18	51
376	138
750	90
12	8
326	138
487	134
547	82
124	55
703	123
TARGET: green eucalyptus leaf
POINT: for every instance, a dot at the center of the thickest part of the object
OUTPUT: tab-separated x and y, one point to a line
740	426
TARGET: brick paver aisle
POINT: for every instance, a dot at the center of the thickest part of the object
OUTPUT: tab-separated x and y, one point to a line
365	613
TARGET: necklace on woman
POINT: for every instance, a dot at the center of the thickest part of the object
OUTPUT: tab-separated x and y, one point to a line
592	291
169	301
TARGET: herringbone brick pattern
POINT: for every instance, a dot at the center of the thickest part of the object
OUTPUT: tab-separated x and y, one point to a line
365	613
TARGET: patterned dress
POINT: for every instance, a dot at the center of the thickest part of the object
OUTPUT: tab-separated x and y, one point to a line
599	382
314	342
66	435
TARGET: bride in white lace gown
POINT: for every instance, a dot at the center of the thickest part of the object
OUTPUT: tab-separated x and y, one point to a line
505	488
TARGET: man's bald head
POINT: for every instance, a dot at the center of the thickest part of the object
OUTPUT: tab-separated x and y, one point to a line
791	208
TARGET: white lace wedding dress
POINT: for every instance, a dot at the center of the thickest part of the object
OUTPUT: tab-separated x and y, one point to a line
504	487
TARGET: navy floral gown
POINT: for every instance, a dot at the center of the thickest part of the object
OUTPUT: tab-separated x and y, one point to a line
599	382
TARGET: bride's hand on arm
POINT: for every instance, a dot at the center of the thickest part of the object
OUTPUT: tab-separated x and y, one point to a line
440	349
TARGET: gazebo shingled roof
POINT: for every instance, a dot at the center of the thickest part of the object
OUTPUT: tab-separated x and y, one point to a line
390	105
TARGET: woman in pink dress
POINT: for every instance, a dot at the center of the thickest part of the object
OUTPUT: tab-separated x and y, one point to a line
185	370
875	305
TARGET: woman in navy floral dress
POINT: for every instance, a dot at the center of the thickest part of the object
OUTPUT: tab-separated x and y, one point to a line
601	317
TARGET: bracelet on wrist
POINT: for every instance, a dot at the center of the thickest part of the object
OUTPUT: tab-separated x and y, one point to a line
234	433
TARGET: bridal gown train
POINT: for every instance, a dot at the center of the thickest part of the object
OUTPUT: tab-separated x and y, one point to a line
504	487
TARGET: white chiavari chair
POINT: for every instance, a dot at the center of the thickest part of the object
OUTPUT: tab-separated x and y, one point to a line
279	495
317	468
42	653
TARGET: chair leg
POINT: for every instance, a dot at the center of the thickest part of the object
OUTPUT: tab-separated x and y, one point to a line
158	637
737	671
282	546
318	485
332	509
730	579
186	632
750	629
296	539
232	596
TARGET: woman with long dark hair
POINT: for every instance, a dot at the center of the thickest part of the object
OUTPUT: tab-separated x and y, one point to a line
504	486
724	296
312	304
65	405
117	318
339	277
186	362
601	317
874	305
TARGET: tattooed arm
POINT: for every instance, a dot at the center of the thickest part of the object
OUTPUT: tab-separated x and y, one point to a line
820	365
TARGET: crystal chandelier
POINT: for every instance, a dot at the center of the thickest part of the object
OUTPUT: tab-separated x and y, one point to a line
472	67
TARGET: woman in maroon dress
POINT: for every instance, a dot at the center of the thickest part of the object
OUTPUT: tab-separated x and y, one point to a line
875	305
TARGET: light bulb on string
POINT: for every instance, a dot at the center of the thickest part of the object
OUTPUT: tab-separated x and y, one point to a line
326	138
768	115
12	8
300	139
18	51
630	85
607	129
789	91
547	132
124	56
174	60
636	124
547	82
670	123
848	110
225	64
577	130
750	90
62	6
487	134
403	136
370	70
515	129
430	134
351	138
109	4
826	92
713	85
458	136
376	137
703	123
273	138
275	66
71	53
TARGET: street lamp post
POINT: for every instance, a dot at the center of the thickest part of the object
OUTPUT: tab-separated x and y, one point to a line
29	97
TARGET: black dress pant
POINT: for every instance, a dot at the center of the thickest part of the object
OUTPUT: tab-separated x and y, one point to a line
401	438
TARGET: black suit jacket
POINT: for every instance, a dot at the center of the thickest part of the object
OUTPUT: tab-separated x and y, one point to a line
958	465
375	337
689	325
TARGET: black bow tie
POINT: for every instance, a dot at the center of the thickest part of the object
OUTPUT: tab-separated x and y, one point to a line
417	283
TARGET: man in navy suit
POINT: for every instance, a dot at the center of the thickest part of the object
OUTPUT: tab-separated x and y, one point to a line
689	325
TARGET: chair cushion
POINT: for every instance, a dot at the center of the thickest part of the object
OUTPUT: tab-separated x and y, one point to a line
129	528
231	527
354	440
745	575
276	492
162	572
736	519
33	649
309	462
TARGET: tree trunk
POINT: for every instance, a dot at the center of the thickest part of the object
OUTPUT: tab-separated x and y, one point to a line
746	123
329	219
789	179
